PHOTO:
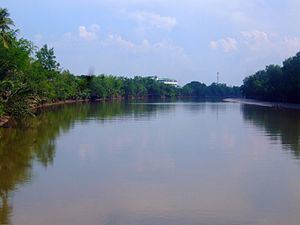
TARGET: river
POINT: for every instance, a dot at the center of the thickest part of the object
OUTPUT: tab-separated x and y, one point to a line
158	163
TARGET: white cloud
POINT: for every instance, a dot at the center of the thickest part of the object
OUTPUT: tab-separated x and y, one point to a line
145	43
255	35
259	48
95	27
252	40
256	40
228	44
143	46
291	45
154	20
119	41
89	34
213	44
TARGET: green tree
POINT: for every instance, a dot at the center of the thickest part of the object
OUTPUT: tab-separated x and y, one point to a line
5	27
275	83
47	58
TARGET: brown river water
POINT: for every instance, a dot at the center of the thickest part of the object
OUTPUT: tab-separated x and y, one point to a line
167	163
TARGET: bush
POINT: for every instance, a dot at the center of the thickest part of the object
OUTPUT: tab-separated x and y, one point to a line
1	110
18	109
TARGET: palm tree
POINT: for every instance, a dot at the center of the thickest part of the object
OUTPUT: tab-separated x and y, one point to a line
5	27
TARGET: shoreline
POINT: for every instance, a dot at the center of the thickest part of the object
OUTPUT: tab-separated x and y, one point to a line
49	104
5	120
280	105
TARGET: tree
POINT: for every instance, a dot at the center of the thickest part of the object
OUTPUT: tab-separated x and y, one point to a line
47	59
5	27
275	83
194	89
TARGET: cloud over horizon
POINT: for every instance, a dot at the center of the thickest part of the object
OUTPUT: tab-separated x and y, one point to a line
89	34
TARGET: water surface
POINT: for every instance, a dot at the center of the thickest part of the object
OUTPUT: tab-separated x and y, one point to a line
178	163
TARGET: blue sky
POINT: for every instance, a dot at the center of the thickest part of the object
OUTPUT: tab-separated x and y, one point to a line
183	39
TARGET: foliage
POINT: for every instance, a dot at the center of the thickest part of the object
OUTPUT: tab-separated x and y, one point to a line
275	83
1	109
200	90
47	58
5	28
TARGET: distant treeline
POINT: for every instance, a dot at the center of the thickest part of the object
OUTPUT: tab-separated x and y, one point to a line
30	77
201	90
275	83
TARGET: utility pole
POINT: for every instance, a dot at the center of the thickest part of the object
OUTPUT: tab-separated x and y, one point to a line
218	77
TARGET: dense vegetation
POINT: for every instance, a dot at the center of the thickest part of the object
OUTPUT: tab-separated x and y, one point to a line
197	89
275	83
30	77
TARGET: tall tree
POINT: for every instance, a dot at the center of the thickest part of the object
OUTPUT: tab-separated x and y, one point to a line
5	27
47	58
275	83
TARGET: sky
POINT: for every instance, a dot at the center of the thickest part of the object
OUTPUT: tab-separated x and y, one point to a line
183	39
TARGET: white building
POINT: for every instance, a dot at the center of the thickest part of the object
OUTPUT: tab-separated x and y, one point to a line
168	81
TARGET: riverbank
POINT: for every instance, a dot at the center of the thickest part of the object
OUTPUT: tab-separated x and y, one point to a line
7	121
50	104
263	103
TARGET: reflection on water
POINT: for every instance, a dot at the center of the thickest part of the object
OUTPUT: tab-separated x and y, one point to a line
35	140
151	163
279	124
